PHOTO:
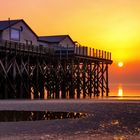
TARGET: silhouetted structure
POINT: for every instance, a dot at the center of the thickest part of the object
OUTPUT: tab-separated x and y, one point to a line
32	69
65	71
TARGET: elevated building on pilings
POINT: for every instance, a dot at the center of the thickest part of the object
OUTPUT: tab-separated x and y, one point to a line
49	66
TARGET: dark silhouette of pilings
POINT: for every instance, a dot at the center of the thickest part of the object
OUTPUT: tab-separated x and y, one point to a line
27	71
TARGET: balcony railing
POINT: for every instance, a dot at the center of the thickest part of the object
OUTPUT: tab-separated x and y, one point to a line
16	46
56	50
82	51
91	52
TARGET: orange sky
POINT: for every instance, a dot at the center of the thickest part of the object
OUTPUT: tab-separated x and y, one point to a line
112	25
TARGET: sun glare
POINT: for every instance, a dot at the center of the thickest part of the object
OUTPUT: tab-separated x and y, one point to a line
120	64
120	91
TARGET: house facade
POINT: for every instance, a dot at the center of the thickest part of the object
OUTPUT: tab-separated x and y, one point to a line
17	31
57	41
20	32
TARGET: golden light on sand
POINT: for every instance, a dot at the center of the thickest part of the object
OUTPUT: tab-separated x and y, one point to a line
120	64
120	91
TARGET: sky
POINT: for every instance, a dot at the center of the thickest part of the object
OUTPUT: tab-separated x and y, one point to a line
112	25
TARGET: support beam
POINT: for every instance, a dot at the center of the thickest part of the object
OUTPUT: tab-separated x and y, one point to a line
72	75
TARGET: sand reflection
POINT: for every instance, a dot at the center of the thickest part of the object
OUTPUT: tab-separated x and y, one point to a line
120	91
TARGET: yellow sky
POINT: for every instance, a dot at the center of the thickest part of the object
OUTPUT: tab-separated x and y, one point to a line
112	25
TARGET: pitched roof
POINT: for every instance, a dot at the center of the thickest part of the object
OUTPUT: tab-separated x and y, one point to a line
54	39
8	23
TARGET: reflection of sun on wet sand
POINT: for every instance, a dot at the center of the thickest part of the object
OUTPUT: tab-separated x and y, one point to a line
106	119
120	91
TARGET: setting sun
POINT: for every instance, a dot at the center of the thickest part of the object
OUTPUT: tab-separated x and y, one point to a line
120	64
108	25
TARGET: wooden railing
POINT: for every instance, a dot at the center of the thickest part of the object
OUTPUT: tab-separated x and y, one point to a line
57	50
15	46
83	51
91	52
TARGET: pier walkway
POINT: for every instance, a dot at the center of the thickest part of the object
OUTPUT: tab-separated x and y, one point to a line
41	72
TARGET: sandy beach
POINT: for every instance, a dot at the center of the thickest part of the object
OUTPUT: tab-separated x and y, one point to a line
106	119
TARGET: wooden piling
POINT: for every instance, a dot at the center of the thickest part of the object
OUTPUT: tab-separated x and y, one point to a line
61	75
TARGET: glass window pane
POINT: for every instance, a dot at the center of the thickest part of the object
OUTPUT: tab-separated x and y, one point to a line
15	34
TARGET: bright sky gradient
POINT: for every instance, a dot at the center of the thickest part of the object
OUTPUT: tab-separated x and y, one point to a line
112	25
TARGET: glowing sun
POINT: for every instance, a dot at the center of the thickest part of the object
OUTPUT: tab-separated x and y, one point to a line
120	64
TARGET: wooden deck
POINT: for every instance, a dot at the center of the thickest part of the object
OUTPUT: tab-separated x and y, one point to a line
41	72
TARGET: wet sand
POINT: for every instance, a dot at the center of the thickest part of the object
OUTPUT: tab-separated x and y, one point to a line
106	119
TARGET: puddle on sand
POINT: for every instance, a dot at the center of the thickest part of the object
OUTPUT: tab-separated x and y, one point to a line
15	116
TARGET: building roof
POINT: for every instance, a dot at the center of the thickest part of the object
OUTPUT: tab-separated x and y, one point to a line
7	23
54	39
4	24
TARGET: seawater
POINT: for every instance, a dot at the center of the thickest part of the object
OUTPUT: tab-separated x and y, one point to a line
130	90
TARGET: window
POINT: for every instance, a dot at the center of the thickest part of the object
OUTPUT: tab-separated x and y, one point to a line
21	28
15	34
